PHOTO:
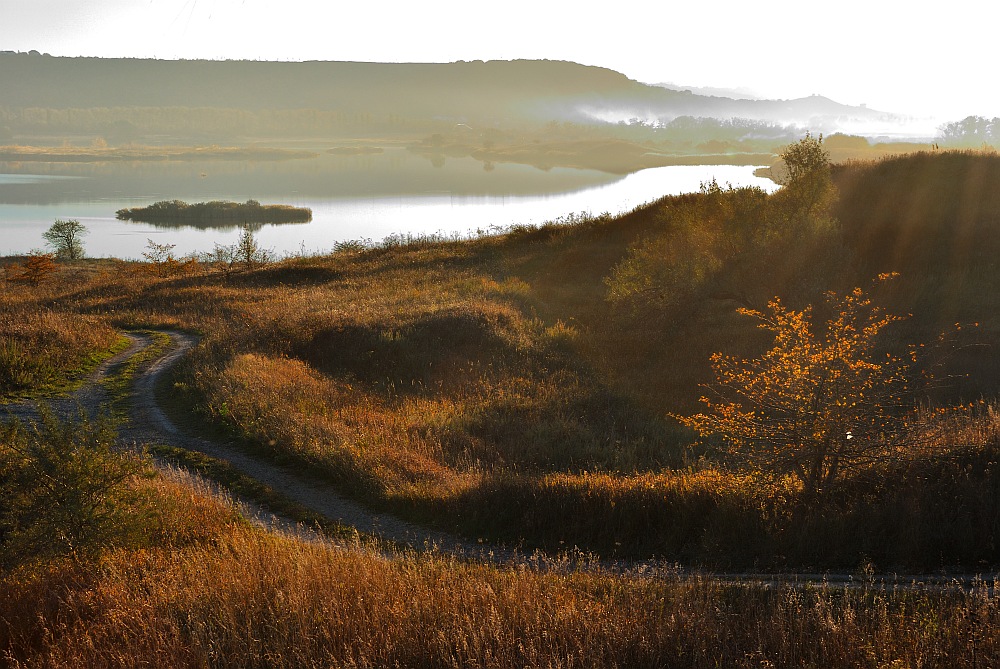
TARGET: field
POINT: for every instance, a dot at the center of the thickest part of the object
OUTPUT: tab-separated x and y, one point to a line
228	595
520	389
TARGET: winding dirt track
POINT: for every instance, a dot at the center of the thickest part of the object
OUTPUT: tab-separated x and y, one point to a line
148	424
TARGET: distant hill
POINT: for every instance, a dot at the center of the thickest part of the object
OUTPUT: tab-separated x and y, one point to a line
736	93
490	92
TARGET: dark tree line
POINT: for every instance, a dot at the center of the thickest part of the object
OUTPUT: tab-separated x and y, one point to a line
971	131
250	211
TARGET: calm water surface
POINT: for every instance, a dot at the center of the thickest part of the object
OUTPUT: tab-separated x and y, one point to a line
352	197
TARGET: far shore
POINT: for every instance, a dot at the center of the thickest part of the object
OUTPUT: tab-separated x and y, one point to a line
614	156
18	153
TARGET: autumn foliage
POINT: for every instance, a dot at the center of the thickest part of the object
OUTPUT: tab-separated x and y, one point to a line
823	400
37	267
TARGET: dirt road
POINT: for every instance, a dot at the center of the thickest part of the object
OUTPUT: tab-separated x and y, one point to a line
148	423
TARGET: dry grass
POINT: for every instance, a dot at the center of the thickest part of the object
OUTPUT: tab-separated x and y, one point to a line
488	386
204	588
931	508
247	598
42	348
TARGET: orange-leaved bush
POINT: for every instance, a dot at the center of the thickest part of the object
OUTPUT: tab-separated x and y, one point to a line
37	268
823	400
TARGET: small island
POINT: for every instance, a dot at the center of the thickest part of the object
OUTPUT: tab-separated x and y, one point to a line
251	211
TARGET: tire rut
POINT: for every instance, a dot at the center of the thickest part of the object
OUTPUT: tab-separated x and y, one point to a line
148	423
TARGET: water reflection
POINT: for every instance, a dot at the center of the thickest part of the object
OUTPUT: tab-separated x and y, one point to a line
393	172
366	196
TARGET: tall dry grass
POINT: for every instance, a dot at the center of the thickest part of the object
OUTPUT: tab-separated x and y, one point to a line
41	347
252	599
199	586
930	508
487	385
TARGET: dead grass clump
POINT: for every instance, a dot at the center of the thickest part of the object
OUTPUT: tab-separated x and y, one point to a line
257	600
42	347
439	351
182	510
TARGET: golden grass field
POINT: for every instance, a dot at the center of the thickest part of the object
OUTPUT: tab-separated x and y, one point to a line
490	387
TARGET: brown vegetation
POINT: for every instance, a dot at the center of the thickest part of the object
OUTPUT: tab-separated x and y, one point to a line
41	347
243	598
489	386
188	583
37	267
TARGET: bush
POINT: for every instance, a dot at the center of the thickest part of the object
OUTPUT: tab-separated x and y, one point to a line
65	238
824	400
63	490
37	268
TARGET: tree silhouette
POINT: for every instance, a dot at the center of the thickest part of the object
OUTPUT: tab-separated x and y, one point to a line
808	190
822	401
66	238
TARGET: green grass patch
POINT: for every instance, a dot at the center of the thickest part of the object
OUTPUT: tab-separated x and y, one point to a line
29	374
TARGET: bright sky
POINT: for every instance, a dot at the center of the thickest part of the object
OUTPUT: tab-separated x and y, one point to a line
894	55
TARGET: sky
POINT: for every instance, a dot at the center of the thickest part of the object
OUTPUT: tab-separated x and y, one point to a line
920	59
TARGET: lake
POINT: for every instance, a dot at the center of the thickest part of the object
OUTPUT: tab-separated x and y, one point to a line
364	197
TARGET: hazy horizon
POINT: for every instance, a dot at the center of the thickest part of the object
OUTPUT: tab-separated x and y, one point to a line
901	61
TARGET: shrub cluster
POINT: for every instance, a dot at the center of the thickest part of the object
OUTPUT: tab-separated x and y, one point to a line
250	211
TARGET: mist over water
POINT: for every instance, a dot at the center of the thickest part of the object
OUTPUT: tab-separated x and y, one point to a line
352	197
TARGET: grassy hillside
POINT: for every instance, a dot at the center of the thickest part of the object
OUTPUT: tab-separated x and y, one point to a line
490	387
209	590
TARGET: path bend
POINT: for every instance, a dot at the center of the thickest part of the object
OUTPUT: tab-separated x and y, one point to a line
148	423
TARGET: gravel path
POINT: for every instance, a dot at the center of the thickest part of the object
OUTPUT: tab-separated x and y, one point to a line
90	396
148	424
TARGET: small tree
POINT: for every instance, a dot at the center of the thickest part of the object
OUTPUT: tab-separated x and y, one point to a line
808	191
36	268
66	238
805	157
162	261
158	253
820	402
247	252
64	490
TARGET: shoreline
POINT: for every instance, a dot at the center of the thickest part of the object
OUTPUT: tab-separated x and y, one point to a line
19	153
